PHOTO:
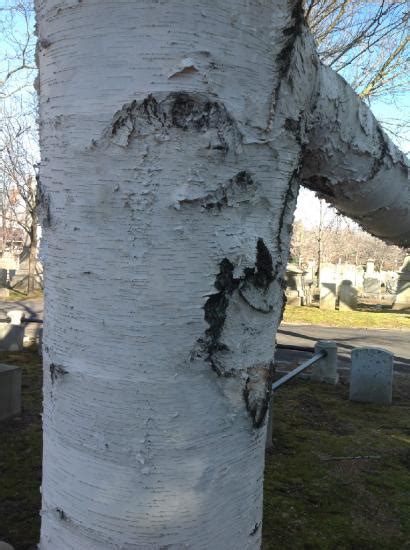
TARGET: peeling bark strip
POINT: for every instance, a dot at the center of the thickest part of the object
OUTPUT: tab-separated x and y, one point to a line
215	312
255	529
56	372
286	213
257	392
187	111
238	189
284	57
384	152
292	33
61	514
255	288
43	201
351	163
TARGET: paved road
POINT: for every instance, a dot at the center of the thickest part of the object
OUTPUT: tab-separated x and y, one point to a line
396	341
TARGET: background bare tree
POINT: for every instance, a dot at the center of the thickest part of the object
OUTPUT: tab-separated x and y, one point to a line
18	155
17	65
18	132
342	241
367	42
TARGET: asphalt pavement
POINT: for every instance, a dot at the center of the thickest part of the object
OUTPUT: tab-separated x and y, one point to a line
396	341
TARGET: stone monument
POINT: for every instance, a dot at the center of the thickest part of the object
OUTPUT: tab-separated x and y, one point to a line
402	300
347	296
327	296
10	391
325	370
371	376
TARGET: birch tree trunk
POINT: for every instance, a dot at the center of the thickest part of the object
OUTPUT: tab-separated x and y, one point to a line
172	136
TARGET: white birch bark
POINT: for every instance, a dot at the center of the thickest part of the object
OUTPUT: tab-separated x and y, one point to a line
352	163
171	138
170	144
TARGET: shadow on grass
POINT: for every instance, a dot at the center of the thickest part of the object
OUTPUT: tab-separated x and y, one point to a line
321	492
315	497
20	458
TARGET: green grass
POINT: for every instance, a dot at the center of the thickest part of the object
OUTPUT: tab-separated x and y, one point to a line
310	502
348	319
20	458
16	296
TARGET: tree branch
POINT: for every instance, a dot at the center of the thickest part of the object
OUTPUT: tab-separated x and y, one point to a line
350	162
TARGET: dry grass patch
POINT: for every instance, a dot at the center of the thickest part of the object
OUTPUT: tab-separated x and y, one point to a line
318	493
347	319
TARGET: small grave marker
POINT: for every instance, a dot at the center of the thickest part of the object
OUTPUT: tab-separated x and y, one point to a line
371	376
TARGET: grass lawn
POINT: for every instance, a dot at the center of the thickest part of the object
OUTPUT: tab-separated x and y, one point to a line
348	319
315	497
16	296
20	458
317	494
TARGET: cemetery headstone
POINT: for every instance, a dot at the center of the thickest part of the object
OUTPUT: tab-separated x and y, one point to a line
327	296
347	296
369	267
293	298
12	332
371	376
325	370
402	300
10	391
371	285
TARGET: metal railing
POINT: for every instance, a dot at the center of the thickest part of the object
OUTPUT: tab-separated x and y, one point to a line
321	354
316	357
23	321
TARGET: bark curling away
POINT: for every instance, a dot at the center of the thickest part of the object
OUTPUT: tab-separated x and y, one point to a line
161	112
239	187
254	287
57	372
257	392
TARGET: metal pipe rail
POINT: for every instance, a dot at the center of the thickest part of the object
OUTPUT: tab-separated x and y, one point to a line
7	320
316	357
292	347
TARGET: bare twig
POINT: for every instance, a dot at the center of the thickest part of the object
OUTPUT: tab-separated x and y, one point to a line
360	457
